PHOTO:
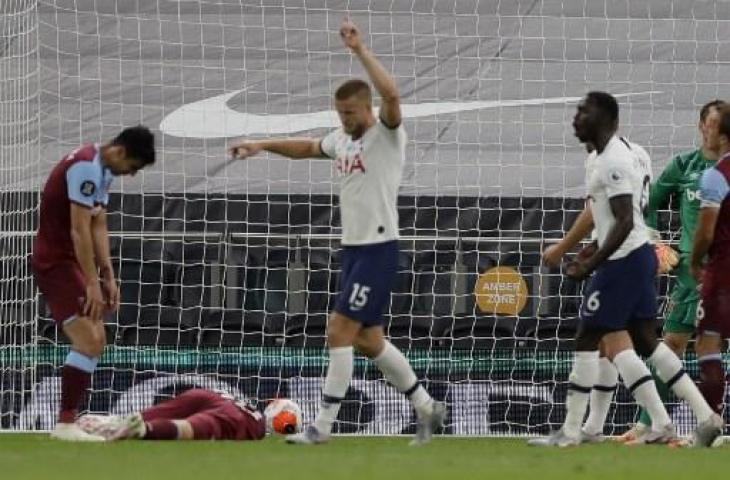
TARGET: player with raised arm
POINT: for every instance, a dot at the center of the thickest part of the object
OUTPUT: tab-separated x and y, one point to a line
617	193
199	414
712	242
368	154
681	178
71	257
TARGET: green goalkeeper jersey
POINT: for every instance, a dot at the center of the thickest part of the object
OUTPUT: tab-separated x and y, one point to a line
682	178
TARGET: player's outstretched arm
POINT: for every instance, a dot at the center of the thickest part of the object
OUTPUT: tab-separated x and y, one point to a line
102	252
384	83
84	250
289	147
580	229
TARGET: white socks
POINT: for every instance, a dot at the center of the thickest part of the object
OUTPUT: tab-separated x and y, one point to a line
339	375
582	378
669	368
640	384
395	368
398	372
601	397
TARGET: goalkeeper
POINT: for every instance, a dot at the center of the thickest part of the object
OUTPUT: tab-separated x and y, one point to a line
680	178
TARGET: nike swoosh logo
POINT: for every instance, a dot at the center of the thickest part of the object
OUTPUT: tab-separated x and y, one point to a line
213	118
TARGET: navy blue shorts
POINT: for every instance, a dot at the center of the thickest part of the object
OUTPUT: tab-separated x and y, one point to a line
621	291
367	278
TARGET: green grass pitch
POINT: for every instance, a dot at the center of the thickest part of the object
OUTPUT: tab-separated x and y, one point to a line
37	457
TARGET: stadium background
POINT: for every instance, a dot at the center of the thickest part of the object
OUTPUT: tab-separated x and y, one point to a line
228	270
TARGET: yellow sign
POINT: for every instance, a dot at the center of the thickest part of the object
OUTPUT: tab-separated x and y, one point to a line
501	290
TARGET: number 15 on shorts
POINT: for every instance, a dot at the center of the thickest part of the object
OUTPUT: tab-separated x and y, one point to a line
359	296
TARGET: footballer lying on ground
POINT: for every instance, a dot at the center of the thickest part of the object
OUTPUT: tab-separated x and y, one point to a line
199	414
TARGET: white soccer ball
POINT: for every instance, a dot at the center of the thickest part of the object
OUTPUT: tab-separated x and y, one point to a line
283	416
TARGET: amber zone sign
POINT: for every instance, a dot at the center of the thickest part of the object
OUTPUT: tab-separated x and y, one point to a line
501	290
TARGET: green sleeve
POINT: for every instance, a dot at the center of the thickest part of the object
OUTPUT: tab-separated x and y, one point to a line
664	186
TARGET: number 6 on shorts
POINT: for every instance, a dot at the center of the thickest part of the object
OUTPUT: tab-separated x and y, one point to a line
593	303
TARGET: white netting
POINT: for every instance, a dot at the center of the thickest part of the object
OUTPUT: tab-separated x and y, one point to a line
19	140
228	270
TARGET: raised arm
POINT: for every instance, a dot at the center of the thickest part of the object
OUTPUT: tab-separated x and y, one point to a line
384	83
290	147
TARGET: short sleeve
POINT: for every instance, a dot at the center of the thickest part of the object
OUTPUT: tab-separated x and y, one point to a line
616	178
396	135
328	145
83	183
713	188
103	193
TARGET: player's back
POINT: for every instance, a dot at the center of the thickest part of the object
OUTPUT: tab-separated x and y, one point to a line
53	242
240	419
623	168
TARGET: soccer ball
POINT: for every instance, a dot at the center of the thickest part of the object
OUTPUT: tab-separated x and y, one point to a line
283	416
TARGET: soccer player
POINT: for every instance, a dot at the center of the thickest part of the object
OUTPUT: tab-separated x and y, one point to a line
712	241
71	260
369	154
602	392
197	414
612	305
681	178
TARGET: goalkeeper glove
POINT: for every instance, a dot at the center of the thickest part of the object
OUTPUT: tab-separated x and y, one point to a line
667	257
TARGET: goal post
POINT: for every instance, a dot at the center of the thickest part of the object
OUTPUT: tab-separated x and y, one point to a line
228	269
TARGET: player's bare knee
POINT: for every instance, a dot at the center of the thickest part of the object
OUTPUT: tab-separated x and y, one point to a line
587	340
708	343
644	343
341	331
643	336
368	347
97	347
616	342
676	342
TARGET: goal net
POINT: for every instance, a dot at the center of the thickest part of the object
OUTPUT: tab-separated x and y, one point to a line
228	269
19	166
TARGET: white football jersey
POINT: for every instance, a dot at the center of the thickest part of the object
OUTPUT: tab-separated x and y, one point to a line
371	168
622	168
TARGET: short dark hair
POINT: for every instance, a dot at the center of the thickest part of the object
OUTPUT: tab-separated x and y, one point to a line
605	102
353	87
724	128
139	143
705	110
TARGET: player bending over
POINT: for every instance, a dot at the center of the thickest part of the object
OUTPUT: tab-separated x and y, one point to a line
71	260
712	242
198	414
369	153
681	178
613	305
